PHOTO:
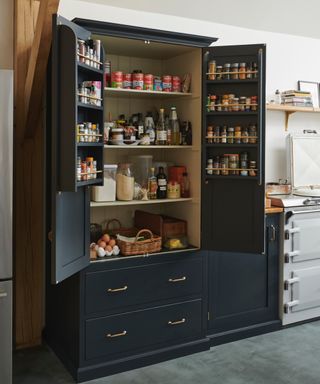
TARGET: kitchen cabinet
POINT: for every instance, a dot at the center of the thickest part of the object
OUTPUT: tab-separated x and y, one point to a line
244	290
119	313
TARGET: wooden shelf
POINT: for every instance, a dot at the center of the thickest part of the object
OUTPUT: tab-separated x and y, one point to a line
118	203
121	92
290	109
148	147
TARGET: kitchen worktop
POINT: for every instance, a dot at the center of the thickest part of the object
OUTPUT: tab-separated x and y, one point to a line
273	210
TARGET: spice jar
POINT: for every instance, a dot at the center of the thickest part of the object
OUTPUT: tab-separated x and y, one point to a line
231	97
216	134
210	134
254	103
116	134
242	71
209	167
252	134
244	164
89	161
125	182
252	168
233	164
230	139
254	70
218	104
225	102
219	72
248	103
242	103
226	71
223	134
224	165
237	134
234	71
245	134
212	102
208	103
212	70
216	165
235	106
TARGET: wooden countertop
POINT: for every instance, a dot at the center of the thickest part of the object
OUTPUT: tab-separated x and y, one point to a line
273	210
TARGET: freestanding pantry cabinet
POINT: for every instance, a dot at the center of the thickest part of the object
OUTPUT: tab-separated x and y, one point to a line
119	313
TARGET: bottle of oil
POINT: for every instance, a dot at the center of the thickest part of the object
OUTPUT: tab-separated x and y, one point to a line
152	185
174	127
161	130
162	184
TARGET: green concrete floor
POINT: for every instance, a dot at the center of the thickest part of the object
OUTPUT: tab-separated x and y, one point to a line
290	356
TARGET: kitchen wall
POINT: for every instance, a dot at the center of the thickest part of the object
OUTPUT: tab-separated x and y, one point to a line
289	58
6	35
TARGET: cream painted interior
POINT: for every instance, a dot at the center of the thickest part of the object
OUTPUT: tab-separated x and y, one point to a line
157	59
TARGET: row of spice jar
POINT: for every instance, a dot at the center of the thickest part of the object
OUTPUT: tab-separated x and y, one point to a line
88	132
86	169
88	52
89	92
232	71
232	164
231	103
232	135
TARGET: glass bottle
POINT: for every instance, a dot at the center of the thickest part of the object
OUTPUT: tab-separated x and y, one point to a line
140	126
168	129
161	132
152	185
185	185
151	132
174	126
161	184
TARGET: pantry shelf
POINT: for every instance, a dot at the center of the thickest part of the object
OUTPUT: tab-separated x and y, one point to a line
94	204
89	182
148	147
232	81
90	106
233	145
85	144
230	113
230	177
88	68
121	92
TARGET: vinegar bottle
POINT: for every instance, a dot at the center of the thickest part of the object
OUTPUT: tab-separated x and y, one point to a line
174	127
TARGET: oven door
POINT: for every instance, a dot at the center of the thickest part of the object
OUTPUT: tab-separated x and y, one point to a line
302	236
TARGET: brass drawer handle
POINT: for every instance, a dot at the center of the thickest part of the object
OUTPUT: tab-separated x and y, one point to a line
177	322
112	335
178	279
117	289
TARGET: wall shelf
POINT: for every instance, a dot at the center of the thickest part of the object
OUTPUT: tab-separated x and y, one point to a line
121	92
118	203
148	147
290	109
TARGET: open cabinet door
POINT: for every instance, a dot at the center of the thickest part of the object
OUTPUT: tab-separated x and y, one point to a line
233	217
69	207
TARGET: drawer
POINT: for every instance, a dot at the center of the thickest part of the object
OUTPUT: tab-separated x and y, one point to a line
109	290
134	330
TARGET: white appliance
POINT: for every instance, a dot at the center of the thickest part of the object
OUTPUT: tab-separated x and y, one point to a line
300	255
6	176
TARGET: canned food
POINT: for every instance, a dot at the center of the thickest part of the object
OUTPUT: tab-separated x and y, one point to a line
137	80
116	79
148	82
176	84
81	50
157	83
167	83
127	81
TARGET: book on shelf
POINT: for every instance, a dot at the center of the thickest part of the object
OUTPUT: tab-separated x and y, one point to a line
295	93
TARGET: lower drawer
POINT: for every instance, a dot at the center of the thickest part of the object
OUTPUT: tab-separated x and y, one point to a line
122	333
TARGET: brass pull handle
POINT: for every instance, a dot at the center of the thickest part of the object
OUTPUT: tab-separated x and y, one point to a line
117	289
178	279
177	322
112	335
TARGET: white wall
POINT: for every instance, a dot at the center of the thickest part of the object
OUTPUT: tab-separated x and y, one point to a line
6	36
289	58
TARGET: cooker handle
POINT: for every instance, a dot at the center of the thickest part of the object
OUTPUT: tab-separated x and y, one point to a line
289	305
300	212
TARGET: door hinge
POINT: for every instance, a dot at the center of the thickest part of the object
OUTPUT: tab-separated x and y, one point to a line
208	315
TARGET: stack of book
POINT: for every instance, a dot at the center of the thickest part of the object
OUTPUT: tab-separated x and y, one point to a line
296	98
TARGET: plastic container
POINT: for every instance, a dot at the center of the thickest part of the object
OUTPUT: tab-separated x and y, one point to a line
125	182
141	168
108	191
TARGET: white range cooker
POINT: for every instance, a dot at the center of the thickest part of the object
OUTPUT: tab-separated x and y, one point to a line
300	248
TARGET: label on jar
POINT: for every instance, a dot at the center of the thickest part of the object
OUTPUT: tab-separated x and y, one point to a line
157	84
176	84
137	81
161	135
116	79
148	82
167	83
127	81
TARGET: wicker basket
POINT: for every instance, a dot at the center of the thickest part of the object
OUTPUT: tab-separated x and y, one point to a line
129	232
142	247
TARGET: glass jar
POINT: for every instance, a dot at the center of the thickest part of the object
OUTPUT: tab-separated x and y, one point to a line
242	103
252	134
210	134
216	134
226	71
223	134
248	104
216	165
212	70
249	71
230	135
173	188
125	182
219	72
244	164
237	134
233	164
218	104
235	104
89	161
224	165
254	103
242	71
244	135
234	71
213	102
254	70
209	168
225	103
253	168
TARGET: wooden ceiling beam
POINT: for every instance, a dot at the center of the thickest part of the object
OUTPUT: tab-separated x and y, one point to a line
37	67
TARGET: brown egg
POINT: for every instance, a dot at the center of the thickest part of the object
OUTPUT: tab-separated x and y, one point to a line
112	242
108	248
102	244
106	238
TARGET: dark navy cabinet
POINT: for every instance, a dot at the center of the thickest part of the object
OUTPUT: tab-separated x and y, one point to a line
244	289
